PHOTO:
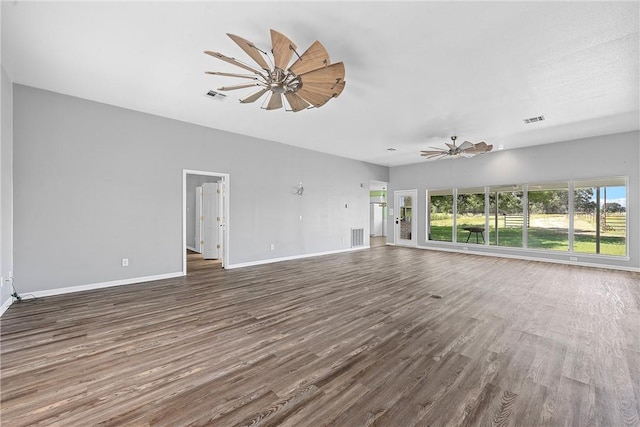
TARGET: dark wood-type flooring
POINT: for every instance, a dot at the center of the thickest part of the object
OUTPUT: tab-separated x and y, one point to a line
386	336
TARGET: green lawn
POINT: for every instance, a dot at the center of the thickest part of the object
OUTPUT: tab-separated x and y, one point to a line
612	242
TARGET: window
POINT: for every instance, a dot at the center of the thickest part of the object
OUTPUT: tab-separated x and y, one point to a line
470	219
506	219
548	213
600	216
584	216
440	218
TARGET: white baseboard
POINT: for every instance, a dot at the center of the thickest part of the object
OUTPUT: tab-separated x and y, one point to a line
531	258
70	289
289	258
6	305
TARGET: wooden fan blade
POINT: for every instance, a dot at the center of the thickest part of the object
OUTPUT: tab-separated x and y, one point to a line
254	97
480	148
435	156
244	76
431	153
275	101
251	50
244	86
296	103
282	49
233	61
333	73
314	57
466	145
313	98
328	89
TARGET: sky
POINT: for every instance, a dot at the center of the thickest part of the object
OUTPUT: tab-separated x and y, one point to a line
615	195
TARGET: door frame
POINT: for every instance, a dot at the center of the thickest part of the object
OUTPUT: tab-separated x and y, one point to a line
225	179
414	217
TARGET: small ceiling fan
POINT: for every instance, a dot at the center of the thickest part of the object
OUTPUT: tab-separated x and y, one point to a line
310	81
466	149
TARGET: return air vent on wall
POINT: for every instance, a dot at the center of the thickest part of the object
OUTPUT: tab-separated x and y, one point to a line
357	237
216	95
533	119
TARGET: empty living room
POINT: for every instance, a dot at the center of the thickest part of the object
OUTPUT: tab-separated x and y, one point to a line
359	213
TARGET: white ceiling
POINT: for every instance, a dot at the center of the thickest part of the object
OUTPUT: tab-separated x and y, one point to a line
416	72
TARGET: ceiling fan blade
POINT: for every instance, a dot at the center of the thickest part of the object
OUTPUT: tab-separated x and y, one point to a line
440	149
435	156
254	97
275	101
296	103
233	61
314	57
430	153
313	98
465	145
282	49
480	148
244	76
244	86
333	73
328	89
251	50
451	146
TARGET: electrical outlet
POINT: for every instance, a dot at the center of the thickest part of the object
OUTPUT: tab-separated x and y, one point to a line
125	262
273	246
466	248
573	258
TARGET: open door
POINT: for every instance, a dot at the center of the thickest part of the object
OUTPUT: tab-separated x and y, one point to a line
199	222
212	223
406	225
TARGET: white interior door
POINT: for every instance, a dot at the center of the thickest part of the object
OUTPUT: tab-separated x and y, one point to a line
199	222
211	209
405	217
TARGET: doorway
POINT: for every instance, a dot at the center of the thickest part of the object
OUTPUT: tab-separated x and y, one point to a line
377	213
405	220
205	218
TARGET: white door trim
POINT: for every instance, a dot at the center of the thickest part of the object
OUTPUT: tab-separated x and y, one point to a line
225	234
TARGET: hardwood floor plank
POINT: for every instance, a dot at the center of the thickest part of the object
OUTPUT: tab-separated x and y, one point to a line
388	336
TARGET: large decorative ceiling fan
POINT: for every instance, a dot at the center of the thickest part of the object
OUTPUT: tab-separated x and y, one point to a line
310	81
466	149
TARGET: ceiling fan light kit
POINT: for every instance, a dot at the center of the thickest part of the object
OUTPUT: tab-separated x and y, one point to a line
310	81
466	149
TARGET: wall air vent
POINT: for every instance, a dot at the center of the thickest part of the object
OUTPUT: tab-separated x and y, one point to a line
216	95
533	119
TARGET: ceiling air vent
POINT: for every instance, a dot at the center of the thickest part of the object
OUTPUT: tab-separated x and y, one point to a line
216	95
533	119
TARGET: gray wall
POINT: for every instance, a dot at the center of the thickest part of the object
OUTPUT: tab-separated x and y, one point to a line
6	189
95	183
604	156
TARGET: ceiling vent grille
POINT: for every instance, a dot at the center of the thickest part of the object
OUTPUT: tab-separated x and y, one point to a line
216	95
533	119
